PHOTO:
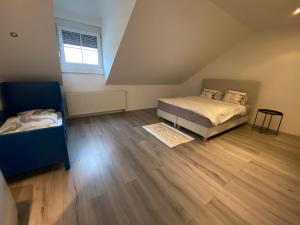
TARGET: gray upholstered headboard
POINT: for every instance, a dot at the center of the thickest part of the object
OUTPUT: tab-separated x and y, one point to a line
251	87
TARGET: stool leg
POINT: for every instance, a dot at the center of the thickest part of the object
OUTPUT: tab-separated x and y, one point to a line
263	123
279	125
269	123
255	119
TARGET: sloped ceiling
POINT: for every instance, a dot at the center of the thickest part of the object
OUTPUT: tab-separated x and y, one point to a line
167	41
259	14
86	8
115	15
89	9
111	15
33	55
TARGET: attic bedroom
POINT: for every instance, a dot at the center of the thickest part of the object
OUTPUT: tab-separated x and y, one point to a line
161	112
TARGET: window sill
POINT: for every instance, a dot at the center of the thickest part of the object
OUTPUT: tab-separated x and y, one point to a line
91	71
82	73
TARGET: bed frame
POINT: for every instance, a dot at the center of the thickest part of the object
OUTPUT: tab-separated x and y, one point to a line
251	87
28	150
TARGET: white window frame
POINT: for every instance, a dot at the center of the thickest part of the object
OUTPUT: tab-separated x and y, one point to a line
67	67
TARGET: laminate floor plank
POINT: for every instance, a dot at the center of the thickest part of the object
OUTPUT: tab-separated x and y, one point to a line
122	175
225	214
270	197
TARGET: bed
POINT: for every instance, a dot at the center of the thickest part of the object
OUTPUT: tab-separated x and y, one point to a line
24	151
180	111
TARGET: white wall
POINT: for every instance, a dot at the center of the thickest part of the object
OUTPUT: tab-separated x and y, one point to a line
87	10
271	57
34	54
1	104
138	97
8	211
68	15
115	15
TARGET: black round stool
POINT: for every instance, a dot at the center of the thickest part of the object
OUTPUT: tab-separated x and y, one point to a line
271	113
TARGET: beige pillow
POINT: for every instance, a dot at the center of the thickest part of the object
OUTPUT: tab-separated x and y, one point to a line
212	94
207	93
218	95
236	97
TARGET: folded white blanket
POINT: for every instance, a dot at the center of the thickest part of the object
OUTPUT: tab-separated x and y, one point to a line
216	111
31	120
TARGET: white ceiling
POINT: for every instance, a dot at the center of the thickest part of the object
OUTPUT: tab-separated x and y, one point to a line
259	14
84	8
27	57
254	13
167	41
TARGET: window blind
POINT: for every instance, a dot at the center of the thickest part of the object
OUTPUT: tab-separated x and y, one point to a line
89	41
78	39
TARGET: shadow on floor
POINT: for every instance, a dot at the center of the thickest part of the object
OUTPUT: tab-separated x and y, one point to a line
23	196
23	212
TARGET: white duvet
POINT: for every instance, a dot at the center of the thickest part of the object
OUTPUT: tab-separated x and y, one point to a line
216	111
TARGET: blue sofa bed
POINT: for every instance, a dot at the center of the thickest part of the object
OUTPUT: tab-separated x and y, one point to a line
25	151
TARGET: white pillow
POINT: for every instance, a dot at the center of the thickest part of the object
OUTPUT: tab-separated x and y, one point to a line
236	97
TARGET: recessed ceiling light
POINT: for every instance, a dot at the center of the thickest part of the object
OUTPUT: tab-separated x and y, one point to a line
296	12
13	34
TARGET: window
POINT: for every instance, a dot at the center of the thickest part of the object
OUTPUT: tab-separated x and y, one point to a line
80	50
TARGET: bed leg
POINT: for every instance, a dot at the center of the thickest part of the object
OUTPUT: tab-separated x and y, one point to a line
174	125
67	165
204	139
67	159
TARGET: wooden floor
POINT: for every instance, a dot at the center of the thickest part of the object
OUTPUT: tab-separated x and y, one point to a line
122	175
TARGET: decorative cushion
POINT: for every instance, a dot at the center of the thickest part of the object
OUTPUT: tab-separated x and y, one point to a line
212	94
218	95
207	93
236	97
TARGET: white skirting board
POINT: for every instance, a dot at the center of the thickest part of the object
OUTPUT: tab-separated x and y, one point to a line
201	130
88	103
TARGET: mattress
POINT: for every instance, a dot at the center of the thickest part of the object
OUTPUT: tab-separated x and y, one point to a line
31	120
190	115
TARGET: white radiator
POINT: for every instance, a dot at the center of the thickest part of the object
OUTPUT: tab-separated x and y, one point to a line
88	103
